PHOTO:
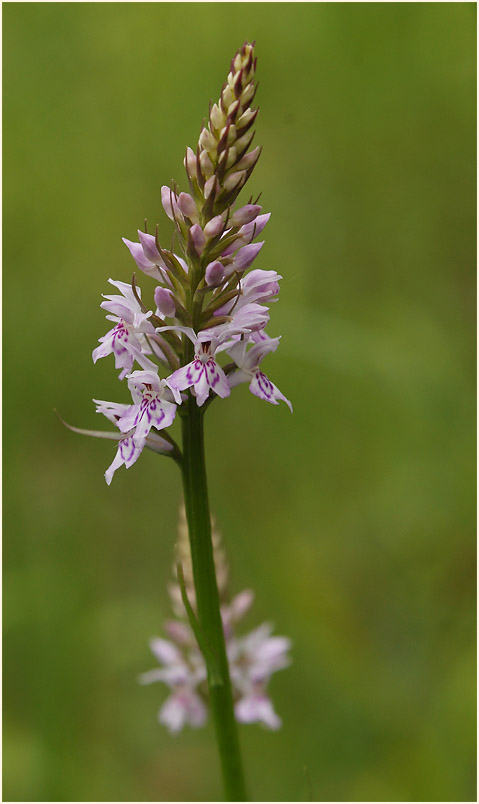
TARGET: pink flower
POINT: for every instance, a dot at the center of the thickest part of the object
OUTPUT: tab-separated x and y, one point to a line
152	406
203	373
182	675
253	659
248	364
127	338
128	450
127	454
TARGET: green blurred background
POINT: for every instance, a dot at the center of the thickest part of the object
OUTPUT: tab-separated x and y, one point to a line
354	519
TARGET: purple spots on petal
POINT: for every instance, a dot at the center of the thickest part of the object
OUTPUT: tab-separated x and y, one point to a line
264	385
160	416
120	332
192	375
214	377
127	449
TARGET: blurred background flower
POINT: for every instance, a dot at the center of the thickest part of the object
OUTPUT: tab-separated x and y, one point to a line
354	520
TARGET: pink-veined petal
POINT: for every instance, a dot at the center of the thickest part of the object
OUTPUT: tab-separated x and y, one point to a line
152	412
262	387
185	376
128	452
129	419
202	387
216	378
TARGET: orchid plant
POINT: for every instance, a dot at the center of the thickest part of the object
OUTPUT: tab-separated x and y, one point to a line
203	335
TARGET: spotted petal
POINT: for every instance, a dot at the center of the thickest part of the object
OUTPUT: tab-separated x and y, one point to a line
217	379
128	452
261	386
186	376
151	412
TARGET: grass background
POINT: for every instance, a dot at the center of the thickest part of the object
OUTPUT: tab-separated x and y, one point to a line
354	520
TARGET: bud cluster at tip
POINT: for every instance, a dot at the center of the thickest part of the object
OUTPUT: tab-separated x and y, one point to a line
216	239
222	164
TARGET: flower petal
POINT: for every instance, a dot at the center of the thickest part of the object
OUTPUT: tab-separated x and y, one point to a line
216	378
186	376
257	708
165	651
263	387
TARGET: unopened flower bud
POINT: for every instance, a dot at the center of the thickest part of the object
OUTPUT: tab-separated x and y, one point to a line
246	256
190	163
229	133
206	165
217	117
234	246
148	244
242	144
255	227
246	118
243	57
227	97
207	140
247	94
188	206
233	110
214	273
248	161
168	199
214	226
209	185
245	214
228	157
232	157
237	84
238	61
165	302
235	180
198	238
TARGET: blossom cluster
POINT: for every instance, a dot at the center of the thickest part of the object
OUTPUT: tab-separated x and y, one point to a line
252	658
208	301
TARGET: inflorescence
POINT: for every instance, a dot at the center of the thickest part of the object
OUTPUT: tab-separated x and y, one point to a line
206	302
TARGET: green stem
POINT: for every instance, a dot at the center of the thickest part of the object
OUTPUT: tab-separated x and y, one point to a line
208	603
